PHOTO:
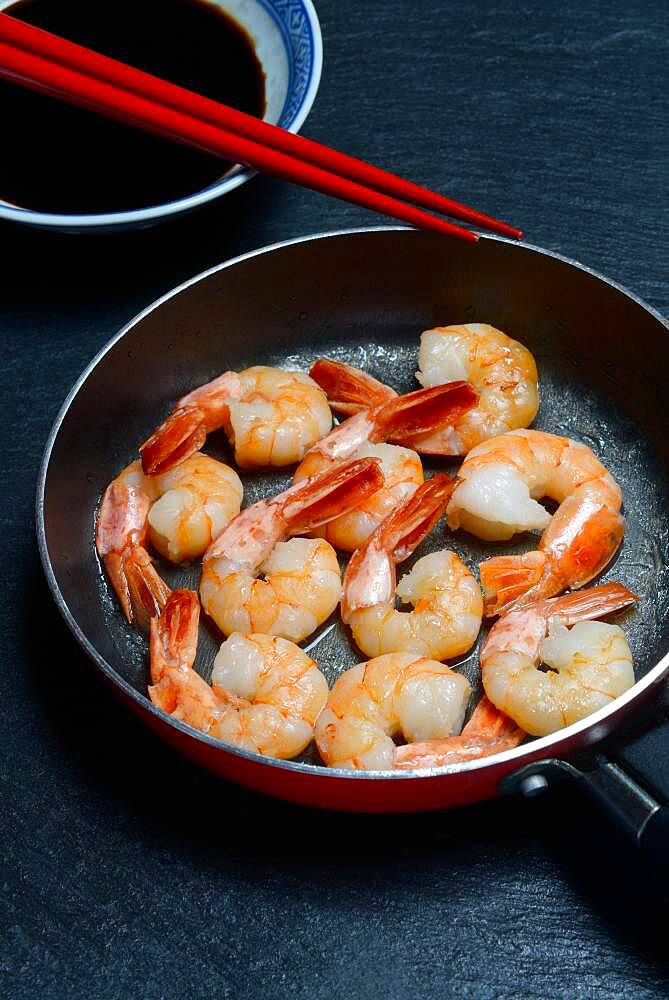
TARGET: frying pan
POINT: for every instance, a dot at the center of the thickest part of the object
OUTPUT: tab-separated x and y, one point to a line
364	296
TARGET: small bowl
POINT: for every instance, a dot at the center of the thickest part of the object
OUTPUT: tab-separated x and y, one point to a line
286	35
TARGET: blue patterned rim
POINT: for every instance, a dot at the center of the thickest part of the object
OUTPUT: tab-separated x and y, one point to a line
291	19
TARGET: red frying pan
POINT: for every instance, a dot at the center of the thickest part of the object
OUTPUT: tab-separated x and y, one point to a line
364	297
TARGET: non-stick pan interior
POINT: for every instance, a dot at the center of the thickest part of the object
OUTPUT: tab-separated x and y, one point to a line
364	298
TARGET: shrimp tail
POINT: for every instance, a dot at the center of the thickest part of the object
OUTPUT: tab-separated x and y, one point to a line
595	602
147	591
120	534
506	579
338	490
177	688
140	590
184	432
173	638
370	575
114	564
173	641
403	530
488	721
348	389
570	558
172	645
181	435
488	731
403	418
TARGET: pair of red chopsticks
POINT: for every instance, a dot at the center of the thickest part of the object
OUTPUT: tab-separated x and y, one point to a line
45	62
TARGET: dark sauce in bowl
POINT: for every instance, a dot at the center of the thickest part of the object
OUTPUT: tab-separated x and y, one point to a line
63	159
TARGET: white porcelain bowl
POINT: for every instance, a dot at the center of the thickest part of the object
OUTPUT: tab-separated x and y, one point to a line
287	39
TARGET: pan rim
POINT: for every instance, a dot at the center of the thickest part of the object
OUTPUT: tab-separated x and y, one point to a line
550	743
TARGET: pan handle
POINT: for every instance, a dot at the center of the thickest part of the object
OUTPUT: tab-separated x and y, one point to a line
633	787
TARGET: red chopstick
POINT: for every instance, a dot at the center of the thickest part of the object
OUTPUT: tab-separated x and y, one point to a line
45	62
76	88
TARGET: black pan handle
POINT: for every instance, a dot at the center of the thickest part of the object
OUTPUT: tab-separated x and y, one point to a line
633	787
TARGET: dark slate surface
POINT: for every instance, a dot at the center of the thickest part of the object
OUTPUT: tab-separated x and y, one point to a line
127	872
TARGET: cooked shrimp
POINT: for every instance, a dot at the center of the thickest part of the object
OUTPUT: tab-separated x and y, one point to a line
120	537
591	663
502	371
401	694
278	692
448	607
191	504
493	499
361	436
266	691
302	584
271	417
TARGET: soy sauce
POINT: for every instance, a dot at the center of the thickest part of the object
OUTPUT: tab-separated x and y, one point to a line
59	158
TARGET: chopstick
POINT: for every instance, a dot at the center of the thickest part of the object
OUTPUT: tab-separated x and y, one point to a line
53	65
76	57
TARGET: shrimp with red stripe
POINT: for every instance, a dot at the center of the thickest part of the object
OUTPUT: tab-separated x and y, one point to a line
589	661
501	370
265	695
496	494
270	416
180	512
258	577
